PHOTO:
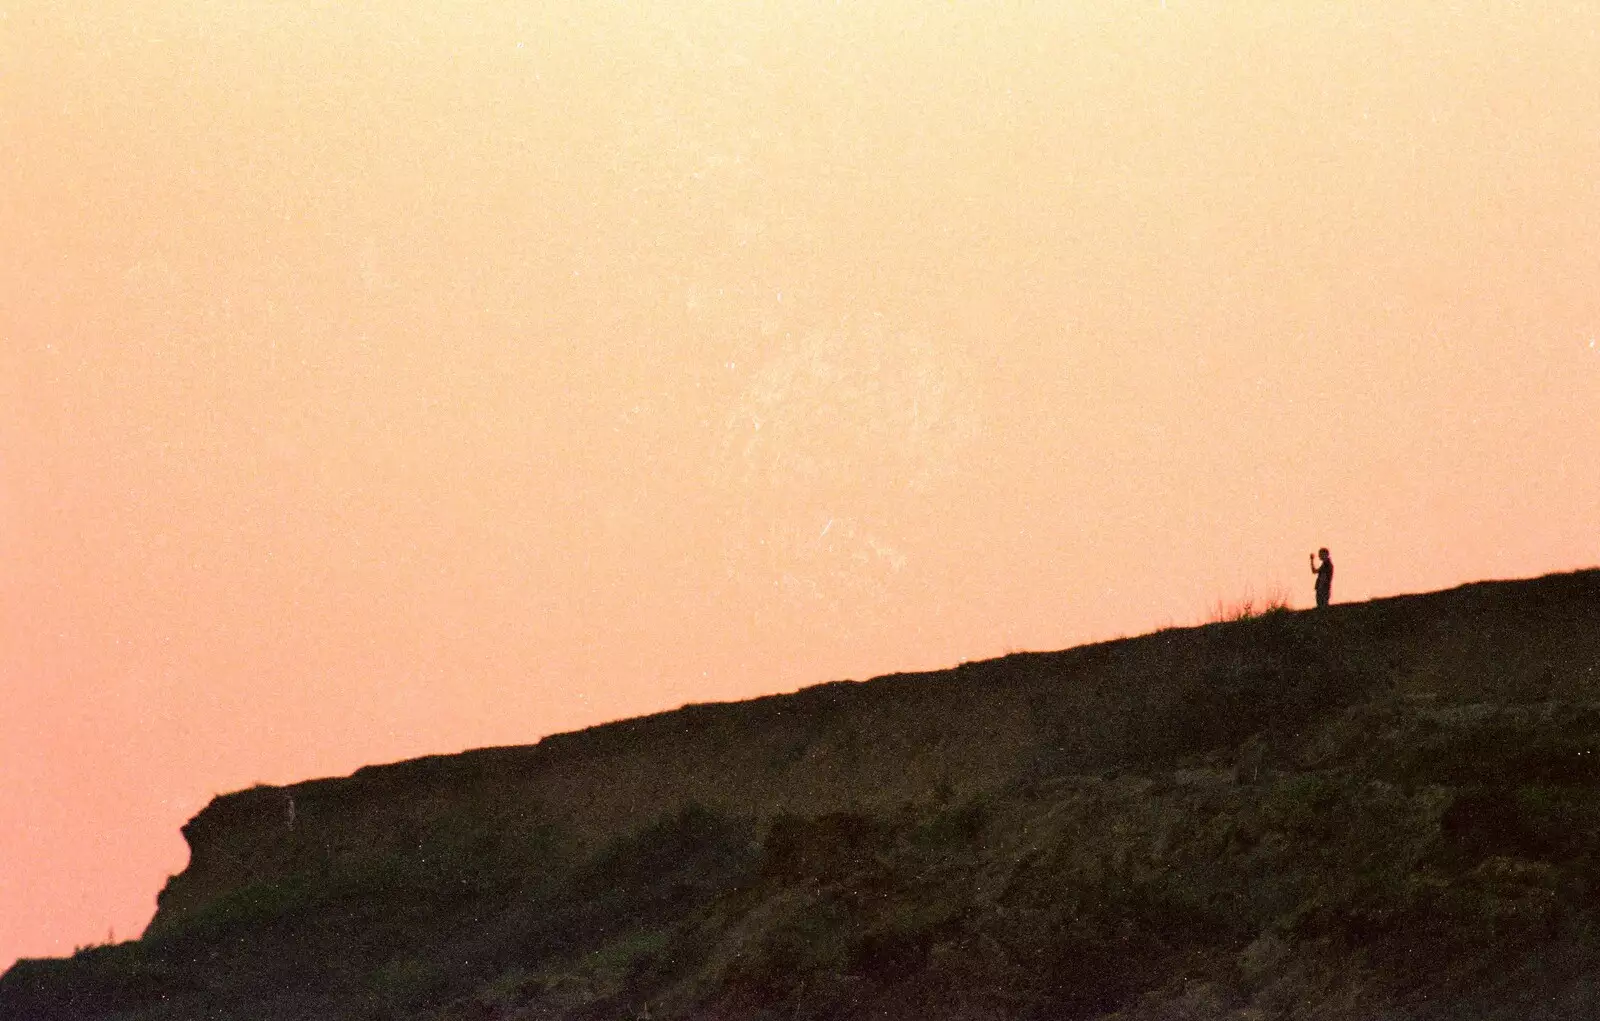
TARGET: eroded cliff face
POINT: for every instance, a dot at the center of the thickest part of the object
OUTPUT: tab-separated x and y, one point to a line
1384	809
843	747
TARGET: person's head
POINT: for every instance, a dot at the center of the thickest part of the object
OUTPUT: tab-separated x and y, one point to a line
1323	552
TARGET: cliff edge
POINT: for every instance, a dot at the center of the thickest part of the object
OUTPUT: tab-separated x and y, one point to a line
1381	810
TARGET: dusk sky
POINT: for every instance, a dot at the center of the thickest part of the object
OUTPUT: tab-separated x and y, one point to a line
385	379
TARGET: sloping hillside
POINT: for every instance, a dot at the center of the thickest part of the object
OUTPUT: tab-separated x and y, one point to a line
1382	810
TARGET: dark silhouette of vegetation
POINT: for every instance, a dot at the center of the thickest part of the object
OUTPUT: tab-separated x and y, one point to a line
1384	809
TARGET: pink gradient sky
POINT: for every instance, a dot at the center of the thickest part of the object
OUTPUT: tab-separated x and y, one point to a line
388	379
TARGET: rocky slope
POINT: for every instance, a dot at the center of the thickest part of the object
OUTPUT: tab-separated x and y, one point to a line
1382	810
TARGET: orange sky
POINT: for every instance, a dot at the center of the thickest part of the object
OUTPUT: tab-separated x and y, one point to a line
387	379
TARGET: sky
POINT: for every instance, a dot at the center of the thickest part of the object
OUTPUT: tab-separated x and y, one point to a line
380	380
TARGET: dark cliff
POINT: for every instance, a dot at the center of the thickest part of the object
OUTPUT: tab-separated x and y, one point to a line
1388	809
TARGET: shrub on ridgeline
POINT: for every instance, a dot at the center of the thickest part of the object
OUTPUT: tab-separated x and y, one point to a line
1275	602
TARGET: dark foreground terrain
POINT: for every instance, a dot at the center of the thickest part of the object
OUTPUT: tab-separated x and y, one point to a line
1384	810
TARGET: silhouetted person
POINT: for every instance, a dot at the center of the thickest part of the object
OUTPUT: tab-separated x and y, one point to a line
1324	573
